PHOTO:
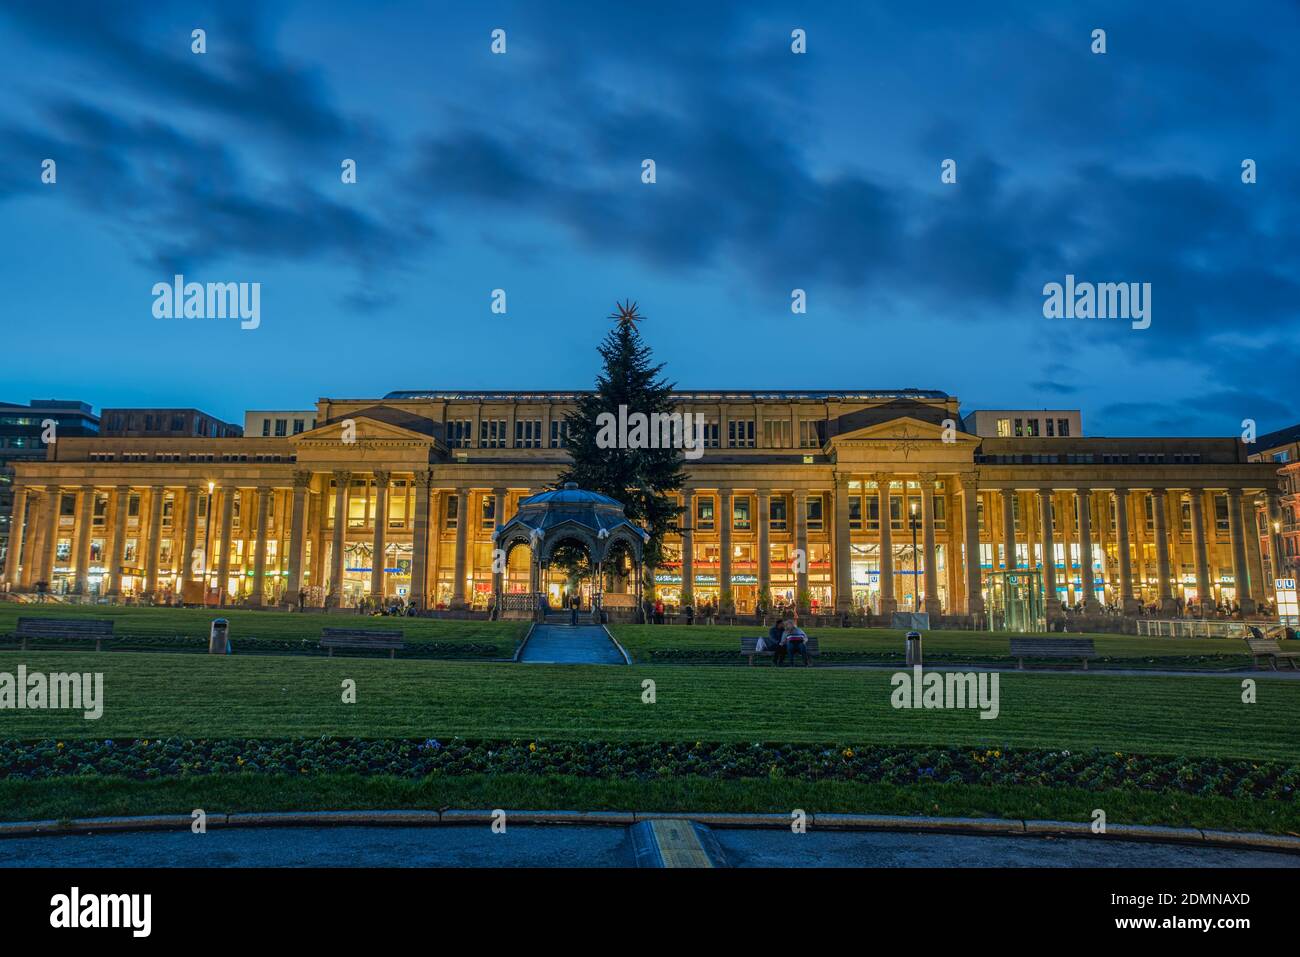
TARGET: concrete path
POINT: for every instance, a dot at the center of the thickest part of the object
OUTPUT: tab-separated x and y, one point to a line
581	846
567	645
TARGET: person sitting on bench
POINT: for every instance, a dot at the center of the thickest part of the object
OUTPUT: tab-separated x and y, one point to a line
776	640
795	642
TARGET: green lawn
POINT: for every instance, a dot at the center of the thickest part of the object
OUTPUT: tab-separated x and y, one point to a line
150	695
721	642
245	624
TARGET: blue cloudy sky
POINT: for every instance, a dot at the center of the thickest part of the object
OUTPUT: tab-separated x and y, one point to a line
775	171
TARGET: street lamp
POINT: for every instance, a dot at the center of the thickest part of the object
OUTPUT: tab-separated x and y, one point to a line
207	536
916	564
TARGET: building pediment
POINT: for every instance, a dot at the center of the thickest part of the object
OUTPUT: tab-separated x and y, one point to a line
904	441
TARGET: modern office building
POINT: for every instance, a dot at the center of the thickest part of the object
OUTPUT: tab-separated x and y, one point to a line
1282	448
1024	423
164	423
814	497
22	436
278	423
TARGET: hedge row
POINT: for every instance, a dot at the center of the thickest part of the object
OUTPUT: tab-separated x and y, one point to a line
1094	769
250	645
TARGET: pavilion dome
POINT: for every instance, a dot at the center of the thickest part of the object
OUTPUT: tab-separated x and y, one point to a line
547	518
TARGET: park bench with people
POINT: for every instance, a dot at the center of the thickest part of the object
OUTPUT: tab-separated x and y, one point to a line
749	648
360	639
1081	648
1269	648
38	629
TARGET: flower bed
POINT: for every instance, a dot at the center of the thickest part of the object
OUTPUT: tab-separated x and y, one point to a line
1095	769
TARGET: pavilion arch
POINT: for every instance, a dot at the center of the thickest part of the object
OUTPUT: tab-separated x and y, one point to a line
593	521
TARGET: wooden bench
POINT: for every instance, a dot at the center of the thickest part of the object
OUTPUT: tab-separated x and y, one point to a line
1081	648
749	647
1268	648
39	628
360	638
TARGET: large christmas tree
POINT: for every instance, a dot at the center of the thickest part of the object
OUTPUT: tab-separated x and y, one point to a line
643	479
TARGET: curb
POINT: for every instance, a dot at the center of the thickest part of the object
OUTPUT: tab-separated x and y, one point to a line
520	650
836	822
627	659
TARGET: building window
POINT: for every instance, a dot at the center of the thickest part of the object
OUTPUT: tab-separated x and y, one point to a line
704	513
266	428
740	433
281	428
1063	428
710	426
1032	428
1004	428
1221	512
855	511
776	433
559	433
459	433
492	434
489	511
298	426
740	513
776	513
814	506
453	506
528	433
810	434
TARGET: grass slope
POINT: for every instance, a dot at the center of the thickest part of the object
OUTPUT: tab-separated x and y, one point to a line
151	695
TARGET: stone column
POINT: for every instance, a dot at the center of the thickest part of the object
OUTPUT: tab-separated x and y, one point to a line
933	606
1277	560
153	542
1203	592
50	540
498	514
800	502
85	523
1051	603
688	542
1167	604
1009	528
843	553
1259	589
888	605
764	547
724	548
1129	603
113	556
190	542
420	540
17	522
1090	604
259	554
462	532
380	544
342	481
297	522
228	494
1240	574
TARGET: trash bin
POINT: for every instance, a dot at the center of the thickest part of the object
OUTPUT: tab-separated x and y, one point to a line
913	648
218	637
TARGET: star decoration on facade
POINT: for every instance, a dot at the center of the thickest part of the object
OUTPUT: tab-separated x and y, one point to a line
908	442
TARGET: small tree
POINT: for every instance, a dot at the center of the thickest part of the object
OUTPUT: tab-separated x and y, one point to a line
643	479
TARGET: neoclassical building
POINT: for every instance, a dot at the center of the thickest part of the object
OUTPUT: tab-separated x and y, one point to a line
814	497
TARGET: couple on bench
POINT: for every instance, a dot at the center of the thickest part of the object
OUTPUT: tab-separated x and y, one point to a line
785	639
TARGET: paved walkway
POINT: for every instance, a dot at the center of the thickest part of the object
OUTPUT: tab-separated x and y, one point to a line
580	846
568	645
